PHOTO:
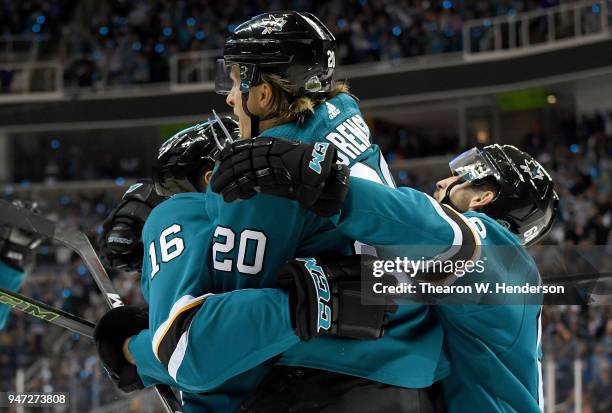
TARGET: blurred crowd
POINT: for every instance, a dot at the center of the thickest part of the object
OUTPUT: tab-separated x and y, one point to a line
580	164
111	154
582	169
584	333
96	154
110	42
399	142
60	279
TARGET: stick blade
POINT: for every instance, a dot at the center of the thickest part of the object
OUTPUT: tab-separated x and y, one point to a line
25	220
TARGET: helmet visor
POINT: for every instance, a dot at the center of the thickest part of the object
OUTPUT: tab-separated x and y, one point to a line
228	74
223	138
472	166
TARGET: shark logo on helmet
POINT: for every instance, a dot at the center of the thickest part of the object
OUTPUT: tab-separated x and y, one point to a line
533	168
273	24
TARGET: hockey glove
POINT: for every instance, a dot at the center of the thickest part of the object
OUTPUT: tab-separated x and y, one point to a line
16	245
120	243
304	172
325	298
112	330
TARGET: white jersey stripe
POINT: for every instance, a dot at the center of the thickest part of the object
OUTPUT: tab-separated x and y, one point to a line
184	303
385	171
363	171
458	236
178	354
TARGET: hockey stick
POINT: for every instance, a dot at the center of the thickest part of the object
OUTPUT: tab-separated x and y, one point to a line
79	243
46	312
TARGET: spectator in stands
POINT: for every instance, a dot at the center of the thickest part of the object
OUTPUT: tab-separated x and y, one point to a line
119	35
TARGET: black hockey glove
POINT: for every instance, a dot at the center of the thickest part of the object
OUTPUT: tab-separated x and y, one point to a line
325	298
120	243
16	245
112	330
304	172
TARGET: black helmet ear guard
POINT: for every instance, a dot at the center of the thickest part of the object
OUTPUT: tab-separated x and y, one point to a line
526	202
185	156
294	45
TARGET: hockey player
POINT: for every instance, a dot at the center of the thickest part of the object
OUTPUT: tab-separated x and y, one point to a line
277	69
496	197
121	240
280	95
16	254
209	333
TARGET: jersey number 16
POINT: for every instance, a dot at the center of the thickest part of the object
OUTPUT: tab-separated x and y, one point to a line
169	248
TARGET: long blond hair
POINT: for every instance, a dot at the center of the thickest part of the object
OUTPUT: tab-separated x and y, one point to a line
287	108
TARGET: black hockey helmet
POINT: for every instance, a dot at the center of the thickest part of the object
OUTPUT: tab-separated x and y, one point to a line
184	157
294	45
526	202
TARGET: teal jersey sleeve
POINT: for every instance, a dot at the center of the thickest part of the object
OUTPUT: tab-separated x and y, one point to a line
383	216
195	328
225	398
494	349
11	279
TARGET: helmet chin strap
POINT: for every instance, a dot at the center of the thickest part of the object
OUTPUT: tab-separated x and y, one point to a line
255	120
447	200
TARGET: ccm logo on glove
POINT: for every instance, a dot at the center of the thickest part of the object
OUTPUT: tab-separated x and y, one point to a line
318	155
323	293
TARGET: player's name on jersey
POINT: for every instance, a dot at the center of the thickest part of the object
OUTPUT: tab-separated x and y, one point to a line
475	288
351	137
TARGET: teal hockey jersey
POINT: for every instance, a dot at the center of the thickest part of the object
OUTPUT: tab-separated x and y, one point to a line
211	337
206	337
239	256
494	350
11	279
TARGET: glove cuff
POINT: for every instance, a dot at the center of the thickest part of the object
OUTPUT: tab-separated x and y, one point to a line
291	279
15	256
110	334
129	380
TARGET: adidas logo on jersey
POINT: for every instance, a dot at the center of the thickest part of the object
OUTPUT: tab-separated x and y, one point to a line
332	111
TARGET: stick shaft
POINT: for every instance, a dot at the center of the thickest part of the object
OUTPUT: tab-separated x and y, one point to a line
46	312
79	243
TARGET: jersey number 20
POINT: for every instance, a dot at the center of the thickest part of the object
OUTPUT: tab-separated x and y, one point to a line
225	242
